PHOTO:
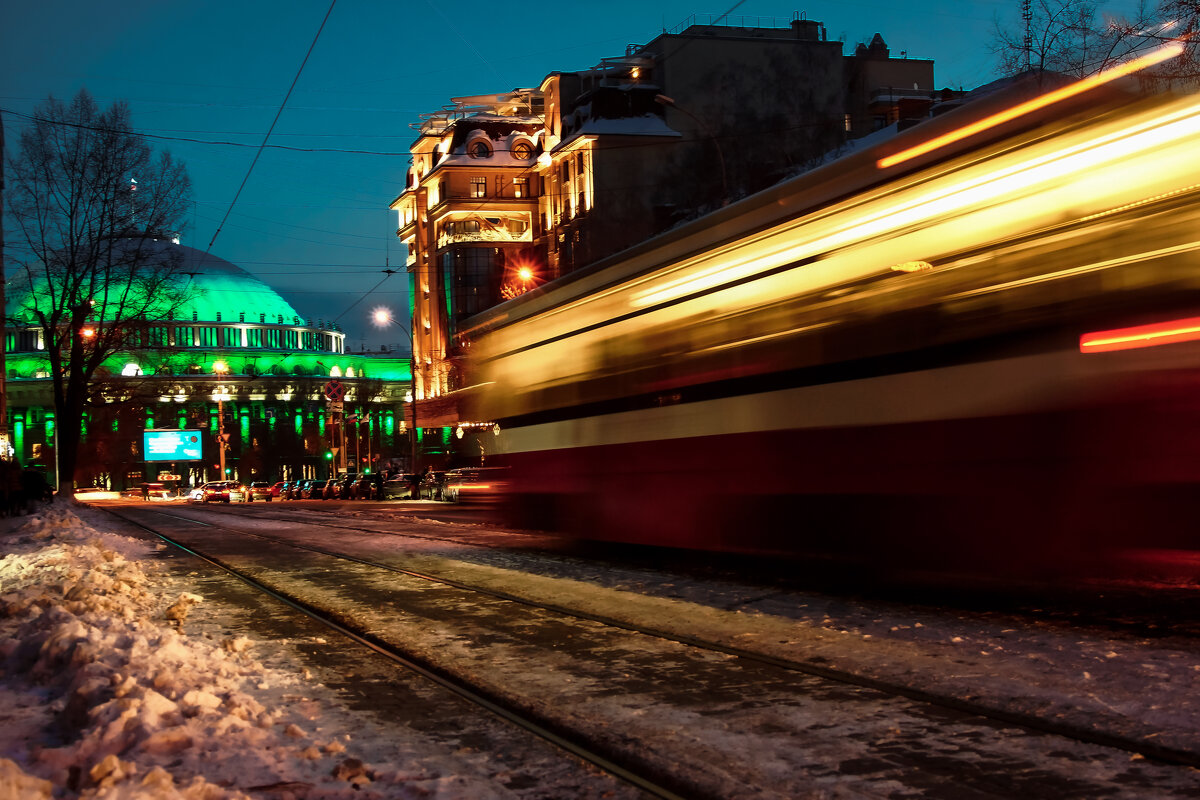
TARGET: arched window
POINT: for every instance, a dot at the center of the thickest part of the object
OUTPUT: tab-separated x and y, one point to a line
522	150
479	149
299	370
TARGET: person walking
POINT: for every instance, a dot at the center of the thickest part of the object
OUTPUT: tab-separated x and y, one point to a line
145	492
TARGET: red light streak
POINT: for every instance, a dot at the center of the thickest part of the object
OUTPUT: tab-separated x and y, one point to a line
1179	330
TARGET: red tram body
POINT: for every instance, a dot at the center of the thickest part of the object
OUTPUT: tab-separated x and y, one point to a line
895	363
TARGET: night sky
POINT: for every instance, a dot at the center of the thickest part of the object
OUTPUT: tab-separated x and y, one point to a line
313	221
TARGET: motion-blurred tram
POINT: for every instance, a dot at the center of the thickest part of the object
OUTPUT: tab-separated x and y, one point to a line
985	352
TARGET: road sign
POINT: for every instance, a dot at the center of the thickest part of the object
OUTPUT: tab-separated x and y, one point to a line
334	390
335	405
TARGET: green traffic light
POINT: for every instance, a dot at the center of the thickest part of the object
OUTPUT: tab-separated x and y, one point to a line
328	455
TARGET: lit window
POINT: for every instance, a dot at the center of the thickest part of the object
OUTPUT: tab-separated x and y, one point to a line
522	150
520	187
478	187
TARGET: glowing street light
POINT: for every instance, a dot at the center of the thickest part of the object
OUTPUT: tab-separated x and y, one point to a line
383	317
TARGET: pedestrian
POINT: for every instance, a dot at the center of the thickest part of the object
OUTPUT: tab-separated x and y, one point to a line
145	492
34	487
428	479
14	499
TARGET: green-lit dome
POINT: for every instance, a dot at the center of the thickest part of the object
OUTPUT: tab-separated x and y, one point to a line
217	289
227	289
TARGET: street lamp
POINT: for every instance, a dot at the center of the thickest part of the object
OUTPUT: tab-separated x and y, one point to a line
221	368
383	317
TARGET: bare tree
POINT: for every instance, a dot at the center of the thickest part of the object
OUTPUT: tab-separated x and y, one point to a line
1070	37
93	208
1178	20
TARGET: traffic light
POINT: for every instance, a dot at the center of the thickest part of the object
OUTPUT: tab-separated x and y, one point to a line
228	470
329	455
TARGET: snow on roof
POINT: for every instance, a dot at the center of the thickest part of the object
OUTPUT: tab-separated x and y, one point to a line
645	125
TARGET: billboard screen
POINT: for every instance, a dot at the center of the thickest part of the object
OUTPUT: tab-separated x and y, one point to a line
172	445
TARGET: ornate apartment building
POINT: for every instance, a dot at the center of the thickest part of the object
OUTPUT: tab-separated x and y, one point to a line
509	191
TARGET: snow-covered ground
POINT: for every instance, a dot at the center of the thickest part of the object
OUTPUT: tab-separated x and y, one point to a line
120	681
112	689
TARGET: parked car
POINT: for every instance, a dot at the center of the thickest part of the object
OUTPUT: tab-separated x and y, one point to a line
335	488
474	484
311	490
260	490
398	487
277	489
360	487
431	485
155	491
224	492
291	490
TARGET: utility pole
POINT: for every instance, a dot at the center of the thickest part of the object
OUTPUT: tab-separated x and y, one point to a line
4	437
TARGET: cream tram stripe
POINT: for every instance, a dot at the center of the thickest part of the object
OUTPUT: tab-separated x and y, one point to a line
1006	386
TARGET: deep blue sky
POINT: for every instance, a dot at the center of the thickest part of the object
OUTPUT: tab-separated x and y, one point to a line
316	225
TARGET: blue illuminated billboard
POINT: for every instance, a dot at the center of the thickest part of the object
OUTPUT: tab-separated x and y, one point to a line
172	445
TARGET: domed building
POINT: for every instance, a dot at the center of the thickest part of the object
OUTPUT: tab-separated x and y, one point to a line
234	362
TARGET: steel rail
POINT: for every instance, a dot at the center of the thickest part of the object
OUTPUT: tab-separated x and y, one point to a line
1149	750
491	704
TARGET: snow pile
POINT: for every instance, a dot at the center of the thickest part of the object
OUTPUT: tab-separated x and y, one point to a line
104	694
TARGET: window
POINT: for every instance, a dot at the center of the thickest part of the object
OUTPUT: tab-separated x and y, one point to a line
460	227
479	149
522	150
472	278
479	187
254	337
520	187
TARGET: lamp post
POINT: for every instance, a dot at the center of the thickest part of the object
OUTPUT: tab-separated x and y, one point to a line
383	317
220	368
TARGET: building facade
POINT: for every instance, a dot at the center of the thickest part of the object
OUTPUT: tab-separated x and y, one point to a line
236	363
468	218
509	191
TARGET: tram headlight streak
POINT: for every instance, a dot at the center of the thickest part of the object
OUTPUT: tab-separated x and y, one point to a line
998	186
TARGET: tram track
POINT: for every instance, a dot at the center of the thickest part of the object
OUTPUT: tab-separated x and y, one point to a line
1030	723
496	706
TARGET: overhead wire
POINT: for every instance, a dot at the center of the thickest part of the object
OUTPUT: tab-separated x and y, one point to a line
275	121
